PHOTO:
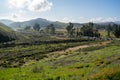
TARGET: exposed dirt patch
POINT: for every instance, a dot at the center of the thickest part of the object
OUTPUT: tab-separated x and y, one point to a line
79	47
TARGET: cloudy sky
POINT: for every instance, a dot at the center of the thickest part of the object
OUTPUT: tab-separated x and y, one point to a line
61	10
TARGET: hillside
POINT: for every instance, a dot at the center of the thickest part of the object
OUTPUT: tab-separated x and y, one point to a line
6	34
42	22
6	21
93	61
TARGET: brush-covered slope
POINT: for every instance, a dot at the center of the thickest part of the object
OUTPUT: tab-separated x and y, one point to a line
6	34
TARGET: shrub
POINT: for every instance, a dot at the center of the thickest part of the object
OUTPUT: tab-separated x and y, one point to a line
37	69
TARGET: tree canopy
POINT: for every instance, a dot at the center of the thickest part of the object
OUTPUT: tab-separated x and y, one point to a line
36	27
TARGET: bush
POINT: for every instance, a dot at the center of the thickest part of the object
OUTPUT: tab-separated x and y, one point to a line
37	69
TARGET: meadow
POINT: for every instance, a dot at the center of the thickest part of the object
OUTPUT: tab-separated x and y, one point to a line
91	63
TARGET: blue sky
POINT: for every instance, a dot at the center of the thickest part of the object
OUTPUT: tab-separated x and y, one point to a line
61	10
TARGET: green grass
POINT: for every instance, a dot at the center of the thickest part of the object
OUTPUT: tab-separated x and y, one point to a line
4	28
98	64
105	34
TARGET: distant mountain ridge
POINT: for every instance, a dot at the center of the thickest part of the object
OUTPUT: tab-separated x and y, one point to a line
6	21
44	22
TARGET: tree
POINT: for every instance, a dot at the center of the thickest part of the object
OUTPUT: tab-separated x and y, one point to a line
36	27
70	29
116	30
50	29
88	30
78	33
109	29
96	33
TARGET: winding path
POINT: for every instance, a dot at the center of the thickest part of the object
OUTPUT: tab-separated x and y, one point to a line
80	47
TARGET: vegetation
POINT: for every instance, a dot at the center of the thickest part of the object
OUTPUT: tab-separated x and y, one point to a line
70	29
88	30
36	27
6	34
16	55
97	64
116	30
77	53
50	29
27	28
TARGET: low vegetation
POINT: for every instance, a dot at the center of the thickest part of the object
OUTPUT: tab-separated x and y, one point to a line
6	34
47	54
95	64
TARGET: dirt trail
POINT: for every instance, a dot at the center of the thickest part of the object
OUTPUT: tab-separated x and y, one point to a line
80	47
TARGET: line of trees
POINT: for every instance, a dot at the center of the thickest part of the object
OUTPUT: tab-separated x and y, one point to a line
115	29
35	27
88	29
85	30
50	29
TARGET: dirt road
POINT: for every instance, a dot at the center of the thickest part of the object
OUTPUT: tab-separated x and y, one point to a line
80	47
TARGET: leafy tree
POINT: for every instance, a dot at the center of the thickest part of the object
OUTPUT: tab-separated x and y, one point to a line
116	30
53	30
88	30
36	27
77	32
109	30
96	33
50	29
70	29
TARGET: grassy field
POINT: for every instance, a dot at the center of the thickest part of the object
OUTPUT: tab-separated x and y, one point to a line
92	63
18	55
104	34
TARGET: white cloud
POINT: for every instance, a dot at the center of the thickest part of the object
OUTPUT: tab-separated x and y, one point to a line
85	20
18	3
75	20
32	5
16	17
66	19
101	19
40	5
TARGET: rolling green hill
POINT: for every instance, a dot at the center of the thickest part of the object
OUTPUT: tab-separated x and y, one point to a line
6	34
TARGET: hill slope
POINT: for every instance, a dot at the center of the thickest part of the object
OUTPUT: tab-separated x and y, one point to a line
42	22
6	21
6	34
99	62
